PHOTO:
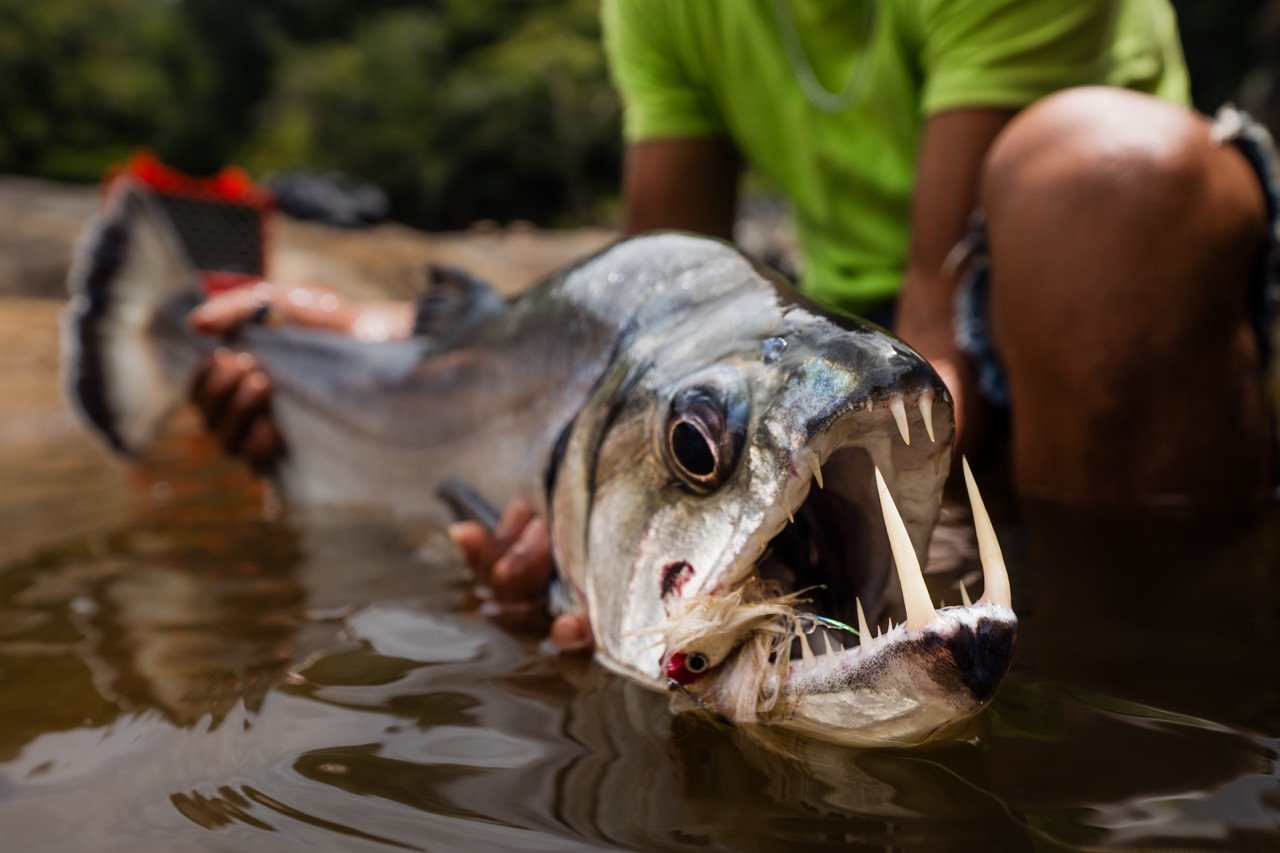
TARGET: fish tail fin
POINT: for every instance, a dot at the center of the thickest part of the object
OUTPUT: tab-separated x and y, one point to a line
128	356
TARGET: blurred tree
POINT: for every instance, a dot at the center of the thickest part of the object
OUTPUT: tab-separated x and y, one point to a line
81	84
364	107
233	43
576	121
472	109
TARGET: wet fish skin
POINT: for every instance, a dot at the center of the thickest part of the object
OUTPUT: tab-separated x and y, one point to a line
568	397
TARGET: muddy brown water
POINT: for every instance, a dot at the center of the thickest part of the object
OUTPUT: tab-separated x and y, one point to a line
185	665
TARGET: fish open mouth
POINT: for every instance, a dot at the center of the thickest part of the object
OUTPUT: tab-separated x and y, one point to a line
854	517
832	539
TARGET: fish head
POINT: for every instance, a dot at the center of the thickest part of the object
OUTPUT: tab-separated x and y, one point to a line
724	520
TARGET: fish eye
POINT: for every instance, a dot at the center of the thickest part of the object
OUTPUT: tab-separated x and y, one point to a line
696	662
704	436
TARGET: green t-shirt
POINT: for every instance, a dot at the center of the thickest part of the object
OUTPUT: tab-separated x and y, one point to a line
735	67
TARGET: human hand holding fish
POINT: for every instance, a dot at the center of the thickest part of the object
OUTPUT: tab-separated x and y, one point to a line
513	564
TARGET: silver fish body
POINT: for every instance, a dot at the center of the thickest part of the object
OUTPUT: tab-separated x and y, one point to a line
700	436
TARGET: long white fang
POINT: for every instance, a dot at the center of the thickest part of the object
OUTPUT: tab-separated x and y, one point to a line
964	595
864	630
899	410
995	576
791	518
915	595
926	414
826	642
816	468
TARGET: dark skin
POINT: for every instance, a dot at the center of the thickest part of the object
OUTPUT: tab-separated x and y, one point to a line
1123	237
1172	222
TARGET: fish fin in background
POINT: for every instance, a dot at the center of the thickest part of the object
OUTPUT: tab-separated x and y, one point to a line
128	359
454	303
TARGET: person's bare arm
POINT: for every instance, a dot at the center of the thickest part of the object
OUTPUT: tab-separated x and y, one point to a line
953	148
689	184
234	394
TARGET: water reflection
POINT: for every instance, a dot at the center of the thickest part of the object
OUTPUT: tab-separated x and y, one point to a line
144	620
206	676
243	683
1185	616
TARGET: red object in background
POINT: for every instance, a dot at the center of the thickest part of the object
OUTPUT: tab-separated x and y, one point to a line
220	221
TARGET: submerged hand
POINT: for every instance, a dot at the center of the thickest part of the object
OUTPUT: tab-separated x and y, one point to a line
514	563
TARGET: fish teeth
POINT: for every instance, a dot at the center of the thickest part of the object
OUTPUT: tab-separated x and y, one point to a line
864	630
926	414
915	595
964	595
826	642
815	467
899	409
995	576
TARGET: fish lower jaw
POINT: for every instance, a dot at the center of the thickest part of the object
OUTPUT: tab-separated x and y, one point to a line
904	687
835	670
921	679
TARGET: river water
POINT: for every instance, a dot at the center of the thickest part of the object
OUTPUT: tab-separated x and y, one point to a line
185	665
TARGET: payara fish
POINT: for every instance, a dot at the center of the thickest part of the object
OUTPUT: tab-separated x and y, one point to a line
738	484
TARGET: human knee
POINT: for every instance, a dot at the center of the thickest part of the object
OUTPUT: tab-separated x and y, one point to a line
1121	199
1106	150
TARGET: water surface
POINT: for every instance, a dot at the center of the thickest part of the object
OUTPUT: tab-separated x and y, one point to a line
185	665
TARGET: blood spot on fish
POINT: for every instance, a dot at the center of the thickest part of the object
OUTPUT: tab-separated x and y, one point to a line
674	577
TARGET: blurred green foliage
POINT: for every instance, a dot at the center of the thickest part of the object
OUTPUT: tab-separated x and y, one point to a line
460	109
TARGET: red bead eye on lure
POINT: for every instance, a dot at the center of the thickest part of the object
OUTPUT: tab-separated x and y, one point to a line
684	669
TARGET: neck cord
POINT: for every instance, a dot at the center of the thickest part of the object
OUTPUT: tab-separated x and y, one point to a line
814	91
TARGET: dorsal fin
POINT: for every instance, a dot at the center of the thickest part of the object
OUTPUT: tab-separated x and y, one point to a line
453	303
